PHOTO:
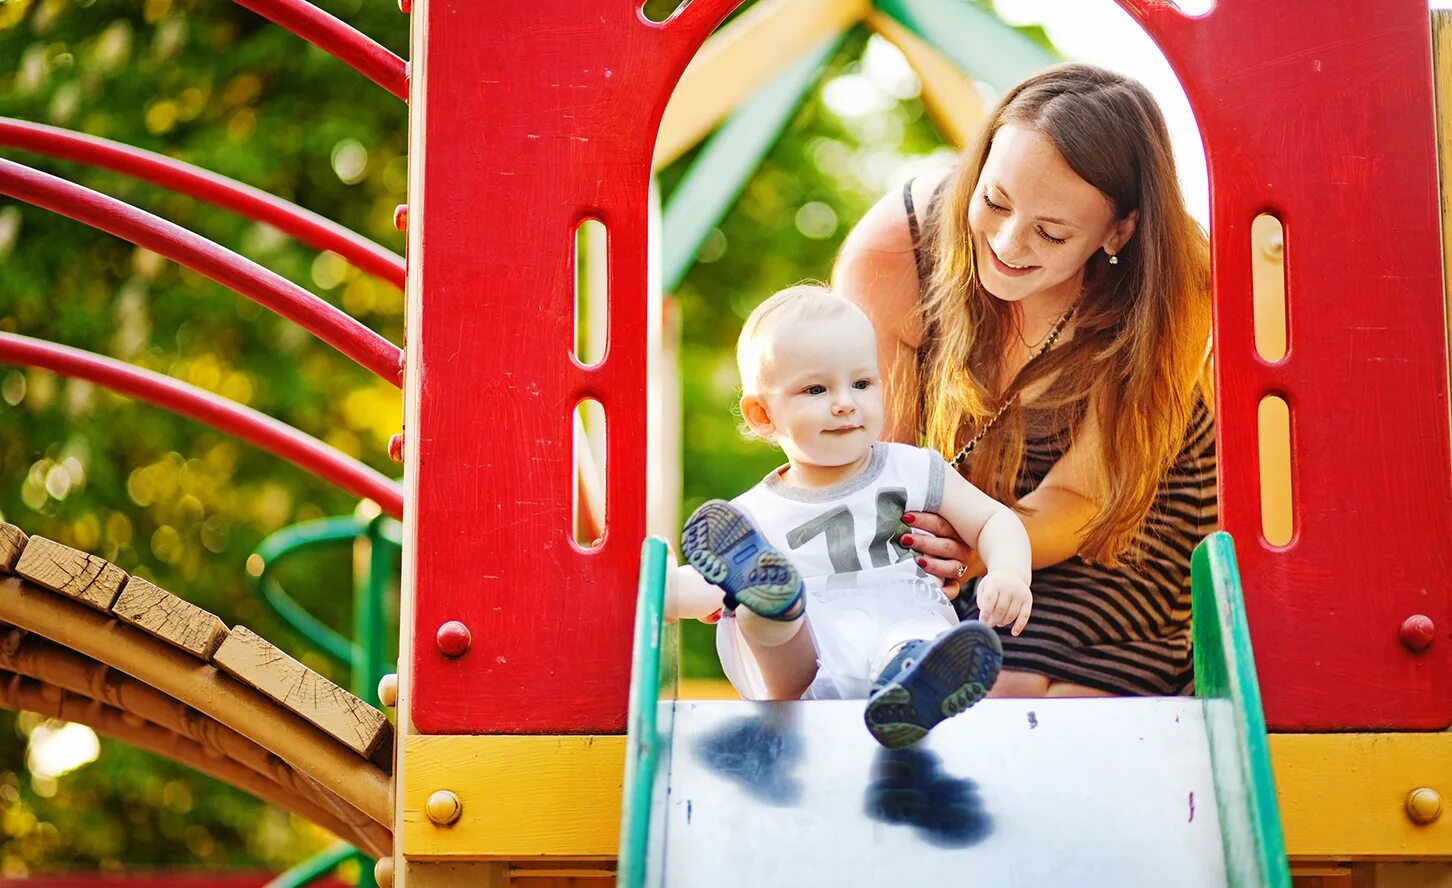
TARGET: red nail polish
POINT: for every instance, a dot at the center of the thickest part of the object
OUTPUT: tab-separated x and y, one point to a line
907	541
922	562
909	519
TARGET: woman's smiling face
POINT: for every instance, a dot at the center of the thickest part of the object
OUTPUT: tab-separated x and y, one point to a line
1035	222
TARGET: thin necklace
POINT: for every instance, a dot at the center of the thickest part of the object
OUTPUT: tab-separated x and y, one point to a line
1048	341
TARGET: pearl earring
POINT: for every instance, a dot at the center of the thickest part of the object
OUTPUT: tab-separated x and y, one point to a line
1113	259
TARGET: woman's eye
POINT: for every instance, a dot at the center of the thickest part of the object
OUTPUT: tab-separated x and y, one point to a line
1051	239
993	206
815	390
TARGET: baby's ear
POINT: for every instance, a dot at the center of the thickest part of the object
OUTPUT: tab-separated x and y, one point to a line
753	410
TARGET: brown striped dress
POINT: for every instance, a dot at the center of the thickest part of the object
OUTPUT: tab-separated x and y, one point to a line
1125	630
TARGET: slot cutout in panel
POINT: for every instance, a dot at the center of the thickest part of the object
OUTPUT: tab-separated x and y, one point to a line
588	435
660	10
1277	503
1268	285
592	291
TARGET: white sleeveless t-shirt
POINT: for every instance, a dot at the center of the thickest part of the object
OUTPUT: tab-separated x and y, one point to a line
862	586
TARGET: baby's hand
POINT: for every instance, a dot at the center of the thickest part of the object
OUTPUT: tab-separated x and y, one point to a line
1004	598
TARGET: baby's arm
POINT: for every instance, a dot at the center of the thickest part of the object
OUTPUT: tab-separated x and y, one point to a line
998	535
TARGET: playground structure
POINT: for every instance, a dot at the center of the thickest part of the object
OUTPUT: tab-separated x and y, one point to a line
512	701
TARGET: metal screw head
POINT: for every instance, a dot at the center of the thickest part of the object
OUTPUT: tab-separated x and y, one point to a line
1417	633
443	807
454	639
388	689
1424	804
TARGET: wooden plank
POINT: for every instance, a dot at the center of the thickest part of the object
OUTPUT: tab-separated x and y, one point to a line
156	611
71	572
949	96
1442	87
255	661
563	792
12	543
1343	796
743	57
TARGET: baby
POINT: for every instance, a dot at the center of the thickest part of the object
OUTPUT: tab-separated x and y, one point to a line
879	627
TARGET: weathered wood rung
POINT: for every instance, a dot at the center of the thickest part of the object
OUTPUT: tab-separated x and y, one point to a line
176	621
253	660
12	543
71	572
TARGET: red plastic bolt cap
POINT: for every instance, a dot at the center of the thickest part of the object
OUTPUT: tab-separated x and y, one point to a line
1417	633
454	639
395	447
400	217
405	6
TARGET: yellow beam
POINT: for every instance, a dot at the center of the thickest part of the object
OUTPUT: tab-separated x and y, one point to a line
1343	796
1442	88
949	95
743	57
522	797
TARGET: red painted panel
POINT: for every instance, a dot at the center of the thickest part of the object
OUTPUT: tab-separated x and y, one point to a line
1320	112
529	117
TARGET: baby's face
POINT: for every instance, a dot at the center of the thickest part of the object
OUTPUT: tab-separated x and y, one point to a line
822	390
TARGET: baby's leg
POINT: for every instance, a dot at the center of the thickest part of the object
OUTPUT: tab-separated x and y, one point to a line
783	651
690	597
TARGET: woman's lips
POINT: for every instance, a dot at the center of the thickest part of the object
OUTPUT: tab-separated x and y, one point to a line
1007	270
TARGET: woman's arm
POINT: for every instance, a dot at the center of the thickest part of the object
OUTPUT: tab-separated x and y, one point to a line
877	270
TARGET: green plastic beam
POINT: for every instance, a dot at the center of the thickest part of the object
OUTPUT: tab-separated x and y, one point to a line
972	38
1245	793
728	159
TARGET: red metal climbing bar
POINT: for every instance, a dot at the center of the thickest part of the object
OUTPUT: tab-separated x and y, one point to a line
264	287
259	429
308	227
339	39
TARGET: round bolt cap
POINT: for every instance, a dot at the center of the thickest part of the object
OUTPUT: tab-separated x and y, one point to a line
388	689
444	807
1417	633
400	212
383	872
454	639
395	447
1424	804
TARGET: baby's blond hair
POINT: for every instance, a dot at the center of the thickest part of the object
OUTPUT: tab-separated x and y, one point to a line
802	302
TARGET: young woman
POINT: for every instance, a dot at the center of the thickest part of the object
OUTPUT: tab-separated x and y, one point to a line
1043	313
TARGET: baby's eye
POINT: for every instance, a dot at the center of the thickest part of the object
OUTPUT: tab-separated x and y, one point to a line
862	384
815	390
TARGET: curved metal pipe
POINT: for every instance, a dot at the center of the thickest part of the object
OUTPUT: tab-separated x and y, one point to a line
259	429
339	39
310	228
267	288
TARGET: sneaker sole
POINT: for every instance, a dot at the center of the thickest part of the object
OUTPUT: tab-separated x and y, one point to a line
902	713
720	542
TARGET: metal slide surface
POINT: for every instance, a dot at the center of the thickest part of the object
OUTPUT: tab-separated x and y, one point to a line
1013	792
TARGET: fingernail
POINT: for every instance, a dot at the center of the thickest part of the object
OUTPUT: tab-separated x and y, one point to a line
906	541
922	562
909	519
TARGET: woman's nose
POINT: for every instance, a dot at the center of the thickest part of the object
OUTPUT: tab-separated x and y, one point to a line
1007	240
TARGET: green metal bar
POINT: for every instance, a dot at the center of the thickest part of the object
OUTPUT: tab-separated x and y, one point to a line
648	725
314	868
1250	824
971	37
728	159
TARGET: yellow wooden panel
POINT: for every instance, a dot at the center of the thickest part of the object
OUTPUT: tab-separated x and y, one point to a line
523	796
1442	87
1343	796
706	689
743	57
951	99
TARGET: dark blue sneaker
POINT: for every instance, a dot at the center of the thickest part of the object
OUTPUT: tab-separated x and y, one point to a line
928	681
721	543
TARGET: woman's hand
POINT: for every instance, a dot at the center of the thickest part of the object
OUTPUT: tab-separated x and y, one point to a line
940	551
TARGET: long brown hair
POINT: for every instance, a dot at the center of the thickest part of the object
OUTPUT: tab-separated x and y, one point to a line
1142	324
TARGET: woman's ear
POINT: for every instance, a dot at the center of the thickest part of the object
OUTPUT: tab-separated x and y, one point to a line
753	410
1121	232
